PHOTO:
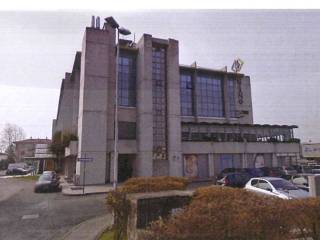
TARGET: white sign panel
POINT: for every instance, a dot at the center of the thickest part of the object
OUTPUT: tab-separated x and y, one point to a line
310	150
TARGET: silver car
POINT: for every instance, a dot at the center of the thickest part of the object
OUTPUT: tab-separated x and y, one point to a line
275	187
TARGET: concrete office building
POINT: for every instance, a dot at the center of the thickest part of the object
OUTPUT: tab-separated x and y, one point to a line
174	120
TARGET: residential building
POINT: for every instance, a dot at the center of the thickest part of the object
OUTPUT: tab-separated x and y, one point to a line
26	148
3	156
174	120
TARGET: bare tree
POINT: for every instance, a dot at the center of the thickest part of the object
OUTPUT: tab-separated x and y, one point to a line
9	134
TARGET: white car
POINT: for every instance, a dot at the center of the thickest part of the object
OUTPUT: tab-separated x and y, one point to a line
276	187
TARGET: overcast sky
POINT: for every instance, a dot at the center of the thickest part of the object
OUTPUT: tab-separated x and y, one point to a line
281	51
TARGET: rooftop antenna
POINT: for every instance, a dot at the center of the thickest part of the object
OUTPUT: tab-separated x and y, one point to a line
92	21
98	22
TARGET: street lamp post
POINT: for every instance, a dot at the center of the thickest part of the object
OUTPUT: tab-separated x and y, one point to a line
123	31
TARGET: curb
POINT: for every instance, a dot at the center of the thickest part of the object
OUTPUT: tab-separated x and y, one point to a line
85	194
68	192
76	233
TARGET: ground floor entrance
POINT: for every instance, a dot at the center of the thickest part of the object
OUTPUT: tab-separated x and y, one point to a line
125	166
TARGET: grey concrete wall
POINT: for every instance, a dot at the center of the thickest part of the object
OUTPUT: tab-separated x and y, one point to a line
67	116
247	101
144	162
97	73
174	110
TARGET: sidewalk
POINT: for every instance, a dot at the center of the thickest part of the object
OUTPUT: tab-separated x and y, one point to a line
71	190
90	229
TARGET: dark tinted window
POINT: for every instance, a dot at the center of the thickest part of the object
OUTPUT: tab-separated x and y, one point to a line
283	184
127	130
254	182
45	177
186	94
127	80
209	96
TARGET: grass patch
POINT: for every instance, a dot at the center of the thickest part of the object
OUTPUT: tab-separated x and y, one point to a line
107	235
32	178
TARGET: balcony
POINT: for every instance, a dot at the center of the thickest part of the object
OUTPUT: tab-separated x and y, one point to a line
216	132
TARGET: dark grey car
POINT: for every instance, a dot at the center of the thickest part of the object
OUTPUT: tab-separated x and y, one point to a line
47	183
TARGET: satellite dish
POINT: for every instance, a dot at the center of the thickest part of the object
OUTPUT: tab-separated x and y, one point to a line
237	65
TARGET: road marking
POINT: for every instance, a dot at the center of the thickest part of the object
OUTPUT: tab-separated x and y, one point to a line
32	216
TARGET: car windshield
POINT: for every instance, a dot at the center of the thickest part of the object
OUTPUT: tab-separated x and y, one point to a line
281	184
45	177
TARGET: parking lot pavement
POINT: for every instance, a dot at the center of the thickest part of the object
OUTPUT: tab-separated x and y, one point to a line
28	215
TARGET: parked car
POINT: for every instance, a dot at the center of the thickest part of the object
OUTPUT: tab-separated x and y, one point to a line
272	171
52	173
275	187
226	171
315	169
289	170
254	172
19	169
301	180
236	179
47	183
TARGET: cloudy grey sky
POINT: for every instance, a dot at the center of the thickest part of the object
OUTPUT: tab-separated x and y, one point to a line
281	50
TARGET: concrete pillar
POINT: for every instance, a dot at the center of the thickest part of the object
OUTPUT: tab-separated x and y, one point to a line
174	110
144	160
314	185
97	70
211	165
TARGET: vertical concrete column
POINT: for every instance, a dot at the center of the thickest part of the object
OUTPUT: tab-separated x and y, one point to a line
76	82
144	159
211	164
274	160
314	185
174	110
97	70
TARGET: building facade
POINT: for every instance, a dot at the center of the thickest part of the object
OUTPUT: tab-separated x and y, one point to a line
174	120
26	148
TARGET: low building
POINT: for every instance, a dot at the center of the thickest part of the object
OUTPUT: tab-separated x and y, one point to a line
3	156
26	148
173	119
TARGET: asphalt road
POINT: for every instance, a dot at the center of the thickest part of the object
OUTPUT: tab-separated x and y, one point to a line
28	215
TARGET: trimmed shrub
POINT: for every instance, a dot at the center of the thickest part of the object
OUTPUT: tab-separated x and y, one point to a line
153	184
222	213
120	206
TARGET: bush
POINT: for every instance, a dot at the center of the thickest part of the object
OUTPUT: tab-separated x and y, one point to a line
120	206
153	184
222	213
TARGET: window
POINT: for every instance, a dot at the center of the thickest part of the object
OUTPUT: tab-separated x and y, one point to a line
231	98
127	80
127	130
186	94
254	182
159	98
264	185
209	96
